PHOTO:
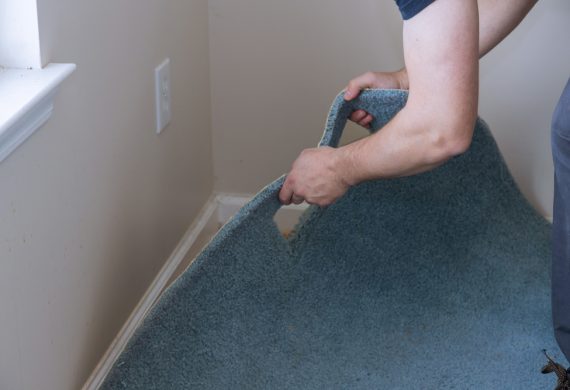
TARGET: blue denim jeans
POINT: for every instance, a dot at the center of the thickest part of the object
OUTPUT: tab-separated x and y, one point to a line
561	223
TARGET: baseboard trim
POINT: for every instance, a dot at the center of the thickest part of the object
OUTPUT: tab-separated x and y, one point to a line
152	294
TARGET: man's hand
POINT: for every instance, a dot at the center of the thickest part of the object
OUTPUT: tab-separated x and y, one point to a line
385	80
317	177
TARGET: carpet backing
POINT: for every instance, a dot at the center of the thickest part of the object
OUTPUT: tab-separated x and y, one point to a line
435	281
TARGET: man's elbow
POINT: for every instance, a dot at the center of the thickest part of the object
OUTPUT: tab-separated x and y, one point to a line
451	140
456	144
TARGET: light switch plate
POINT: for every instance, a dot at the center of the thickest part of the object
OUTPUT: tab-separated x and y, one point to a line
163	96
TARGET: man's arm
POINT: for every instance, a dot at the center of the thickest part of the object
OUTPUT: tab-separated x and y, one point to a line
441	54
497	19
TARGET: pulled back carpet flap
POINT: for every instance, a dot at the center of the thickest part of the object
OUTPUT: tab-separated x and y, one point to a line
435	281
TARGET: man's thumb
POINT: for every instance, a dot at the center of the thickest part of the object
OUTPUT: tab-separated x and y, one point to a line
351	92
358	84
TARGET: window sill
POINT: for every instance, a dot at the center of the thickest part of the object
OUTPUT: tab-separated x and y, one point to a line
26	102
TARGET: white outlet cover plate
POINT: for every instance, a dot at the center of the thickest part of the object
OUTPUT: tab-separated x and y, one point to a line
163	95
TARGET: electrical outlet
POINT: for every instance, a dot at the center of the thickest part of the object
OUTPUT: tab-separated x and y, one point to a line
163	98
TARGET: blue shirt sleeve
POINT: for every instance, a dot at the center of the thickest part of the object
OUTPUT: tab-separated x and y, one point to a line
410	8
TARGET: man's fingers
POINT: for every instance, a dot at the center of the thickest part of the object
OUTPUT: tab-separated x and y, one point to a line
362	118
358	115
286	192
366	121
358	84
297	199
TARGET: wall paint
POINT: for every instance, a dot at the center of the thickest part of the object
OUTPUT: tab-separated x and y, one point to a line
93	204
275	71
521	81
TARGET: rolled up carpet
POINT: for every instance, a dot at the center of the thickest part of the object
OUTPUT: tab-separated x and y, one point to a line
435	281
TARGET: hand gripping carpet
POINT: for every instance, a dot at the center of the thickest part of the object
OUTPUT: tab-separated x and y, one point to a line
435	281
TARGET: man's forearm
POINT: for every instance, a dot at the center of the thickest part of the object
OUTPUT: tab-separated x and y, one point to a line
405	146
497	18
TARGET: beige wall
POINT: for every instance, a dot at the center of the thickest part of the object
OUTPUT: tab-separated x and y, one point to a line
521	81
93	204
277	65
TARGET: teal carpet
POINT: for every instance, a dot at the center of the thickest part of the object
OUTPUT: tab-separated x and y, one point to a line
436	281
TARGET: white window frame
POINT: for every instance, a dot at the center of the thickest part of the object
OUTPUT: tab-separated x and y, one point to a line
27	90
19	34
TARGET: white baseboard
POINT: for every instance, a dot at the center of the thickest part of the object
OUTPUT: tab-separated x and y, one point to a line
218	209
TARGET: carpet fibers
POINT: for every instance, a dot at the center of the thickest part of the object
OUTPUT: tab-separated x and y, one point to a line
436	281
